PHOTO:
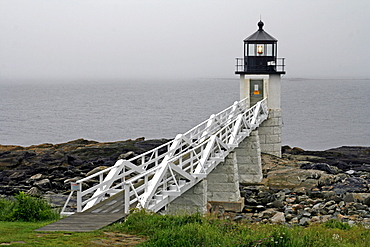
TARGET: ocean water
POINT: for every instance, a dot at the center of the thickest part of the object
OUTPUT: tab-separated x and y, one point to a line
317	114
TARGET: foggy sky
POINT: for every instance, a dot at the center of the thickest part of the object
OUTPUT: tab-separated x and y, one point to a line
118	39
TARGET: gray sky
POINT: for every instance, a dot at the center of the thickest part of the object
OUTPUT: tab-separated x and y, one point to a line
114	39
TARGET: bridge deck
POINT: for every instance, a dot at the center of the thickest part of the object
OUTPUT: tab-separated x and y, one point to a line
102	214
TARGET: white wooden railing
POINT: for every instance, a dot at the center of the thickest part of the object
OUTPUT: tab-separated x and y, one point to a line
155	178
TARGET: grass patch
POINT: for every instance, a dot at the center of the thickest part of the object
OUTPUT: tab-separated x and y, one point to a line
188	231
23	234
196	230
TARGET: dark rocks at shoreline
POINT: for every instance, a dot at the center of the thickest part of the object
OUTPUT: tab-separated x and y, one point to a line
306	187
345	158
48	168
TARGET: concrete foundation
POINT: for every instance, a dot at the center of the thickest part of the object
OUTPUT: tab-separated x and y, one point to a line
248	156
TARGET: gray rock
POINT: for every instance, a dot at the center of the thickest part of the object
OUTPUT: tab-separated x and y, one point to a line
268	213
250	201
350	172
279	217
37	176
302	198
34	191
304	213
304	221
329	203
322	167
127	155
294	220
318	206
43	184
289	217
278	204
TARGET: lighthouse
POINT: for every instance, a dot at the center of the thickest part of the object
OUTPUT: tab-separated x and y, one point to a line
260	73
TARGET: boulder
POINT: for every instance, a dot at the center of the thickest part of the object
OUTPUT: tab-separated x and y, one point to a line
34	191
279	217
43	184
322	167
37	176
127	155
292	178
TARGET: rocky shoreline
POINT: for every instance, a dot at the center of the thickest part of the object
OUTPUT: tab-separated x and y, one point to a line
49	168
302	187
305	187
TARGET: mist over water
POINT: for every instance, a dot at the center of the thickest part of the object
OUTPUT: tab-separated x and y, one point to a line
317	114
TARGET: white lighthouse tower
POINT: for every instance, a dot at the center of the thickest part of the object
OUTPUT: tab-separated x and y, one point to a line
260	71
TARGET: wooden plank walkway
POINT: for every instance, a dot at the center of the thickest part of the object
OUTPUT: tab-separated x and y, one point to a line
96	217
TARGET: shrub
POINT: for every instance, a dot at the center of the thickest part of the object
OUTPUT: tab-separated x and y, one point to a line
6	209
26	208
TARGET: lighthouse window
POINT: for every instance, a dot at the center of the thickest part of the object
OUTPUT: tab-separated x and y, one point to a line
251	50
269	50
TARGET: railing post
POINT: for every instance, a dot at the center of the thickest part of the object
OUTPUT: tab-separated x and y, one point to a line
127	198
79	199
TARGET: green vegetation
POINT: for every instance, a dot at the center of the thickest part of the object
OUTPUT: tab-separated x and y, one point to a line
196	230
24	207
168	230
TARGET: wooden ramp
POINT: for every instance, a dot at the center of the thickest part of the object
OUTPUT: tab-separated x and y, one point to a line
102	214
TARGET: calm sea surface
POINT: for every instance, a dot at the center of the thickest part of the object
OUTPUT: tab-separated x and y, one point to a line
317	114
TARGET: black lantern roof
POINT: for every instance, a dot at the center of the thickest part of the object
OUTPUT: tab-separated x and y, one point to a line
260	35
260	55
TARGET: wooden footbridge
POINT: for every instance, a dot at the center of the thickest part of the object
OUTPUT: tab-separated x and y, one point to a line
156	178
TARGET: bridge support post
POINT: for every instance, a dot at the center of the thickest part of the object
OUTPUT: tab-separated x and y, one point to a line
270	133
192	201
248	156
223	185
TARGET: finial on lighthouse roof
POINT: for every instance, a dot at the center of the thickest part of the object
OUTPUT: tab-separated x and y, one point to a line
260	25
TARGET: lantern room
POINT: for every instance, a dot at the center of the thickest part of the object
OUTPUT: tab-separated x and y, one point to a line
260	54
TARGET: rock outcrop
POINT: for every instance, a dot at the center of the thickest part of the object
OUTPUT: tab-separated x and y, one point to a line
50	168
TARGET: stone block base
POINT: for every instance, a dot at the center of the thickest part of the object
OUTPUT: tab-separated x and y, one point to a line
192	201
229	206
270	133
248	158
